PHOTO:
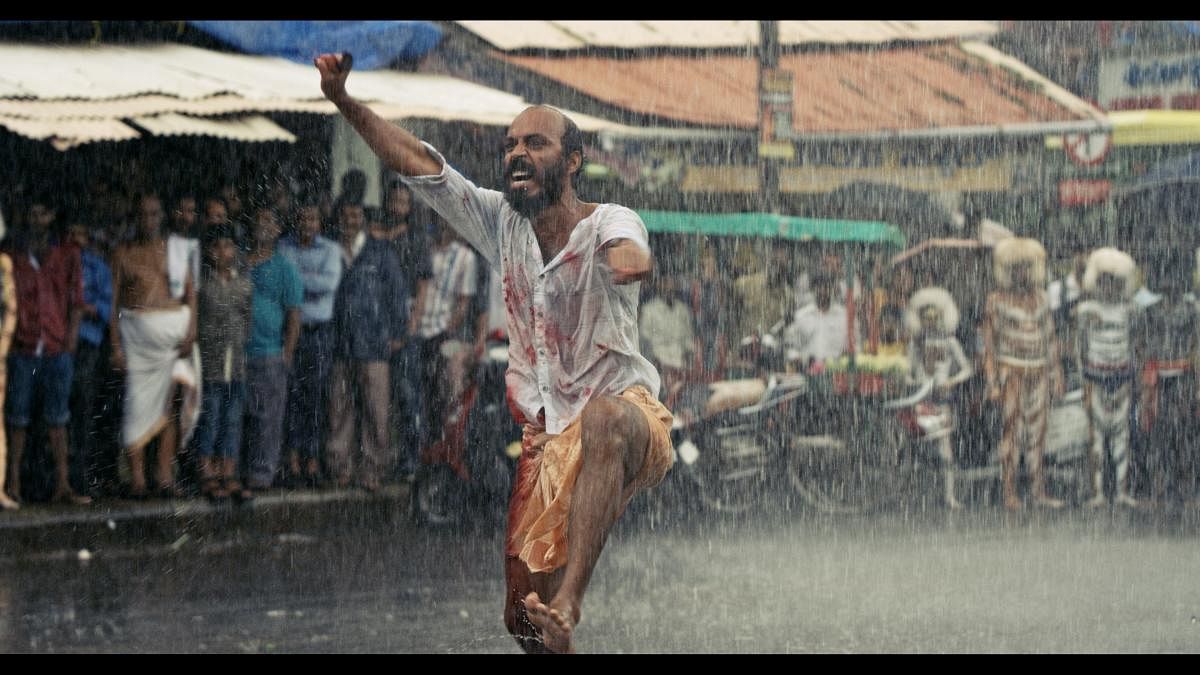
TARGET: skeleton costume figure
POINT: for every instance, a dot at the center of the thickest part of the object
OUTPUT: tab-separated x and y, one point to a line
1021	362
1104	354
1165	343
936	359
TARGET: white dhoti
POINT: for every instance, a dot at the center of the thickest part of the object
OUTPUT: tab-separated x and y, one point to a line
150	340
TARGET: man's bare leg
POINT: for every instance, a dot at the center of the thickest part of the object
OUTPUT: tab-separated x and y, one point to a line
137	471
168	448
168	442
615	439
6	502
61	450
520	583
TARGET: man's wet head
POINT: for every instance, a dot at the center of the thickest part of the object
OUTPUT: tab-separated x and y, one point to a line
1021	274
308	223
266	227
781	265
41	215
543	157
822	287
398	203
150	216
352	218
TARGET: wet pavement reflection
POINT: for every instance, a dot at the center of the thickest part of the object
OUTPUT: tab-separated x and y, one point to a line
922	581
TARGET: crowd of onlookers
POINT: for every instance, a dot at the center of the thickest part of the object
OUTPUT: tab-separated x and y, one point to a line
158	344
226	343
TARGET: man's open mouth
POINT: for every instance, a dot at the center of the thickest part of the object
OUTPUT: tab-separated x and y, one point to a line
521	178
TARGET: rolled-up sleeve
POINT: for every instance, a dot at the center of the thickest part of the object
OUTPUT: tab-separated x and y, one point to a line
623	223
472	211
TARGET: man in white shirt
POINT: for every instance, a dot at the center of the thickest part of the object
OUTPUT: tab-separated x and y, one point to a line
818	331
666	329
595	432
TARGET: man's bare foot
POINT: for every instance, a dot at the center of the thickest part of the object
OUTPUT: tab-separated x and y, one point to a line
556	625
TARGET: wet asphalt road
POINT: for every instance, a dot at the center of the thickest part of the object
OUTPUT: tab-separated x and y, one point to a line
921	581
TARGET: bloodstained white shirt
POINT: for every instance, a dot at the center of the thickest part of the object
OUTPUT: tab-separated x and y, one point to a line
573	333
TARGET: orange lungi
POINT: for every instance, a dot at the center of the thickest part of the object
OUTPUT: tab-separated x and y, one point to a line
541	500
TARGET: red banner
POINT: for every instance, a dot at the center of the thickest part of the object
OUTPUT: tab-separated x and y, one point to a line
1083	192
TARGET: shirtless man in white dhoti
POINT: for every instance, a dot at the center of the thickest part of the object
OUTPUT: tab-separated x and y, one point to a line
153	329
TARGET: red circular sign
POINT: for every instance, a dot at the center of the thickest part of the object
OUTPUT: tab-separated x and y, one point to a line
1087	149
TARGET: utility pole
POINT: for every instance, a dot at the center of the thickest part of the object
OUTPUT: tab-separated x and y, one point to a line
772	99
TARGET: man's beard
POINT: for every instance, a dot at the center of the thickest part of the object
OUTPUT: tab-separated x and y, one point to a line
551	181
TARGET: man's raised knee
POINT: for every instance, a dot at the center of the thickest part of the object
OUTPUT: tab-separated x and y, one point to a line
614	417
615	425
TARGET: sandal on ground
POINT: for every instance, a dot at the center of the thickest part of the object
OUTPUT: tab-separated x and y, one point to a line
239	492
70	497
213	490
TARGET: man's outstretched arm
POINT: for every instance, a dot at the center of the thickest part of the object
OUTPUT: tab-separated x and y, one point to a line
400	150
629	261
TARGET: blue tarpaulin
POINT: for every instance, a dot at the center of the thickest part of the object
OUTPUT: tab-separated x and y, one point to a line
374	44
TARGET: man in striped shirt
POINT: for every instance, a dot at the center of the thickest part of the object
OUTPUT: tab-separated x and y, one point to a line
441	326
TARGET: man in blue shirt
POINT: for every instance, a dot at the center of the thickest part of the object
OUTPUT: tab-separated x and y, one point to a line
320	266
93	327
404	230
371	322
274	332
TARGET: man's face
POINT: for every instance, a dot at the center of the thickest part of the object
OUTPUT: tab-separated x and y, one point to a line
78	234
889	329
832	264
281	198
215	213
823	294
668	286
150	216
223	253
399	203
351	218
1020	275
535	171
931	319
266	228
232	199
1109	287
310	223
41	217
184	215
781	266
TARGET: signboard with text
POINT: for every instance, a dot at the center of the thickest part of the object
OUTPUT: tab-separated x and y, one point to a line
1083	192
1164	81
775	114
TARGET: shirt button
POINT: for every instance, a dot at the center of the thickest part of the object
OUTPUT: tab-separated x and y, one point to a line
545	389
541	352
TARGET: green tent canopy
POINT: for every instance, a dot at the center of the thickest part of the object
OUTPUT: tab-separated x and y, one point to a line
769	225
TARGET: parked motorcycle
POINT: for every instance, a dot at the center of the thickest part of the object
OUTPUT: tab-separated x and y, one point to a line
728	434
468	474
878	453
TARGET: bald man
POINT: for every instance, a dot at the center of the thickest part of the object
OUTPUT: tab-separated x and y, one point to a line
595	432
